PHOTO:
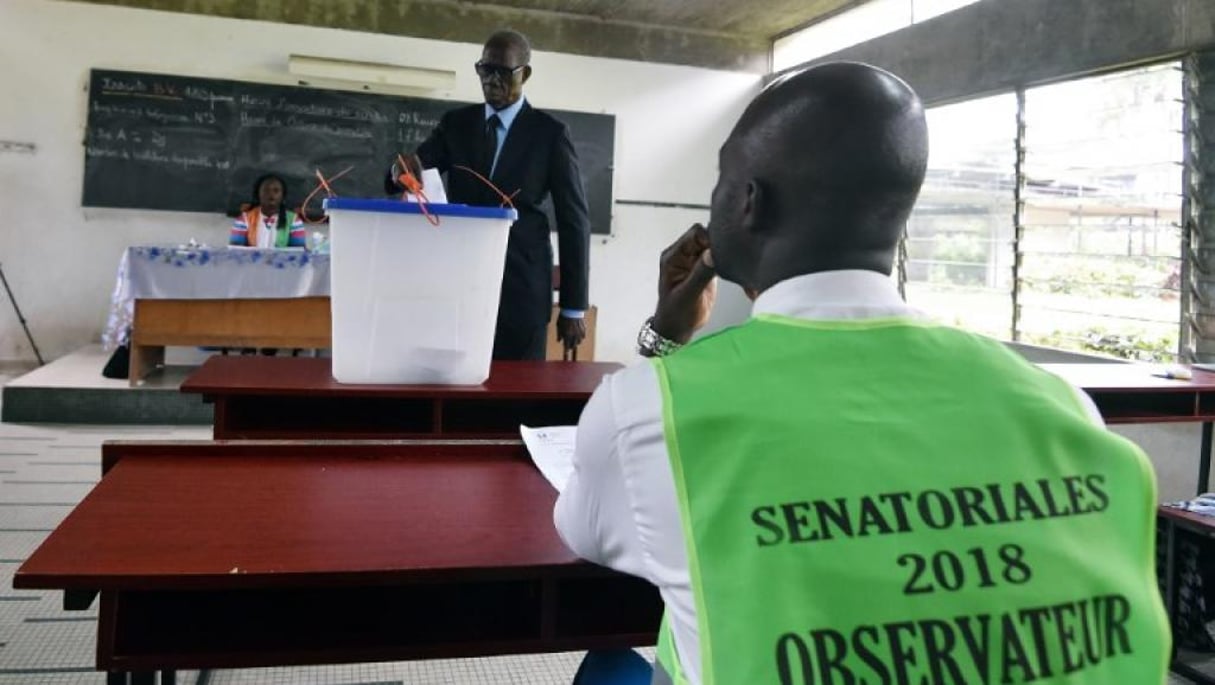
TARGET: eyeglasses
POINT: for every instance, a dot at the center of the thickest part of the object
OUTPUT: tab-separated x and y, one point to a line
486	70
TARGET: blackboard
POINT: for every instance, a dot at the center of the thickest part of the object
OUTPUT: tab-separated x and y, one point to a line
158	141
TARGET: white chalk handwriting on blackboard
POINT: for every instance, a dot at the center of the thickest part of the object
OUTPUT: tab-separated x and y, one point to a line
160	141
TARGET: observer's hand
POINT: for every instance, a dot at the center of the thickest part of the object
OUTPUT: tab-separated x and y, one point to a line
571	332
687	286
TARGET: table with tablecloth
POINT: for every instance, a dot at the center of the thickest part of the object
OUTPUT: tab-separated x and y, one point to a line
225	296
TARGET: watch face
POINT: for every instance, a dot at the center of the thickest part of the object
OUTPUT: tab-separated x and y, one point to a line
651	344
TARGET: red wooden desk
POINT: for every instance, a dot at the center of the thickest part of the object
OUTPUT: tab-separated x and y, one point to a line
230	556
297	398
1129	393
1171	524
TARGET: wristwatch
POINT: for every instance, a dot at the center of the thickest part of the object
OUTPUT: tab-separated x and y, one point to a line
651	344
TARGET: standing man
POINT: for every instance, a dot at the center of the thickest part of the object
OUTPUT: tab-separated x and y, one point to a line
528	153
840	491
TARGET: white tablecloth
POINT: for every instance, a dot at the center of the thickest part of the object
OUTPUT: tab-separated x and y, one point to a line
202	273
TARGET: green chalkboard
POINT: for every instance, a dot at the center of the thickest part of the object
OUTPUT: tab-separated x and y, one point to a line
157	141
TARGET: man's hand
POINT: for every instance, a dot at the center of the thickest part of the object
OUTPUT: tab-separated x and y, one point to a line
571	332
687	286
412	164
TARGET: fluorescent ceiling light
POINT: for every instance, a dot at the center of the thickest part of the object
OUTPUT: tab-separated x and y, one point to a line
371	73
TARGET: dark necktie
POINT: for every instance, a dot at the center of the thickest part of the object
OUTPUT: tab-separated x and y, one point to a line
491	144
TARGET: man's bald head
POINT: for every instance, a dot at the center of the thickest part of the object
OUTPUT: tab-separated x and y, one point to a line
820	173
508	39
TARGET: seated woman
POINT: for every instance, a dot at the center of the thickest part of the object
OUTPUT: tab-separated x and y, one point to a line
267	223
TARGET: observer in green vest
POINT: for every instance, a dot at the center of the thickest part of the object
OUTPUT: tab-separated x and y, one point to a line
862	496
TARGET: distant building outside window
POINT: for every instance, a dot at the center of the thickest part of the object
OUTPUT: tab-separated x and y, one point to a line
1101	244
1100	247
959	244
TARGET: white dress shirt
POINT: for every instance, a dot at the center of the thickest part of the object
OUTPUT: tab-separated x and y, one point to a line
619	508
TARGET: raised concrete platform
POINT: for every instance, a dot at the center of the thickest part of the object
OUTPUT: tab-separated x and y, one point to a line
71	389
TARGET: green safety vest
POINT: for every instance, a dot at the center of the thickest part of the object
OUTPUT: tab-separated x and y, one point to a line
888	501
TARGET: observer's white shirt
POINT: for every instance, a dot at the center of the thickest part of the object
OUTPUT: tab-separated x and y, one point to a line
619	508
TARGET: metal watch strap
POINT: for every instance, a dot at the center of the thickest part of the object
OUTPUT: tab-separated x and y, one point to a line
651	344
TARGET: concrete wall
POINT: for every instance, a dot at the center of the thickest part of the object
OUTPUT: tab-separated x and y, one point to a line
60	258
997	45
1173	450
1199	208
1050	355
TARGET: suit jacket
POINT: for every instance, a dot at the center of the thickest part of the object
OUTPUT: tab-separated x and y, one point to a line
537	160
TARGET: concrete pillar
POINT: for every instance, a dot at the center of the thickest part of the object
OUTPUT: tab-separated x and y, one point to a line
1199	207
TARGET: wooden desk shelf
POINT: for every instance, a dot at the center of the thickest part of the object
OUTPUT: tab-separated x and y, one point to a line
297	398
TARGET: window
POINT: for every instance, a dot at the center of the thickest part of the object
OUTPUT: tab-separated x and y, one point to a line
1100	247
1101	243
866	22
959	246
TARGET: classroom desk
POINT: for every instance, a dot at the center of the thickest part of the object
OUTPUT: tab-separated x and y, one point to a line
235	297
1171	522
297	398
1129	393
208	555
224	297
288	323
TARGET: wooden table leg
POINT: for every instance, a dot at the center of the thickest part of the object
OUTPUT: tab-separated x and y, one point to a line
144	360
1204	459
1170	571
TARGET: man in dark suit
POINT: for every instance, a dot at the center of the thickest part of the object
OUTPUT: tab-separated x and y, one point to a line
529	153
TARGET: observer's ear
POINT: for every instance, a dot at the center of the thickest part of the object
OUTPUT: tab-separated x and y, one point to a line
754	206
527	73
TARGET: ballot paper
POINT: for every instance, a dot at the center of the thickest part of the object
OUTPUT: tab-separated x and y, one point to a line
552	449
432	185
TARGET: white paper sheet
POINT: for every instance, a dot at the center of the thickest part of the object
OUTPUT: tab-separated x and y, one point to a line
432	185
552	449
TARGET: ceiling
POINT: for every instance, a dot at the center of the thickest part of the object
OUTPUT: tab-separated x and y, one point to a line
764	19
720	34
